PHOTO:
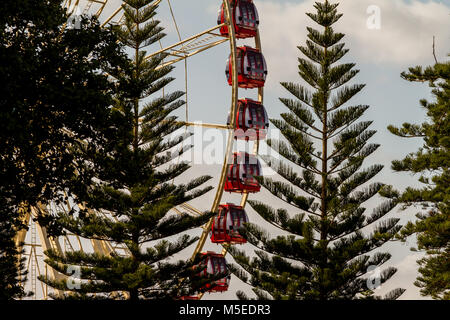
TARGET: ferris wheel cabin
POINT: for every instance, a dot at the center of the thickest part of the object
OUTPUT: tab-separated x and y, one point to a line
245	19
226	225
251	68
252	121
241	174
214	264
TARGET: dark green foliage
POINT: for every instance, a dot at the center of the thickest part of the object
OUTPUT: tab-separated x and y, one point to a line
431	162
10	266
134	189
328	252
51	94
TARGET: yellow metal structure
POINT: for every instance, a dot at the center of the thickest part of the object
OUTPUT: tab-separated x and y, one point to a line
180	51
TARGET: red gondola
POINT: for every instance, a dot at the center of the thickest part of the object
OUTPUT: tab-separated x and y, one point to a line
245	19
226	224
251	121
213	264
251	66
241	174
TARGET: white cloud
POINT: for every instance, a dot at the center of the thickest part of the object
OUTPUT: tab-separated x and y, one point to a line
404	38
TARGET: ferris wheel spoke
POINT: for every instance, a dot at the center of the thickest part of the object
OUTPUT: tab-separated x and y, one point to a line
190	208
102	7
191	46
207	125
112	16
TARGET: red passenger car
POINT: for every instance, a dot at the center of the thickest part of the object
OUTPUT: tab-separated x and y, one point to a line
241	174
251	121
226	224
245	19
251	68
214	264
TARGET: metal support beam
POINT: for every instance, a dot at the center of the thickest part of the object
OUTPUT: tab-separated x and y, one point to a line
184	41
207	125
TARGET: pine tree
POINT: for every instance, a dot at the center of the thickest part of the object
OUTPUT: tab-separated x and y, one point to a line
135	189
328	252
431	162
50	86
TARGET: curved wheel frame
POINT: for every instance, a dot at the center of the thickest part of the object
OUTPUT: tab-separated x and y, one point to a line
231	128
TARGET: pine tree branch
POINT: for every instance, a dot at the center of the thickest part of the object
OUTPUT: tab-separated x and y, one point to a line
284	151
344	95
342	119
291	120
287	173
300	92
362	152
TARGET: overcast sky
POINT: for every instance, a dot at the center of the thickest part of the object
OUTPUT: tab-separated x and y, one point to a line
402	39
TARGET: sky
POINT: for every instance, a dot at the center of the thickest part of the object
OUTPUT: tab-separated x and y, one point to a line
382	46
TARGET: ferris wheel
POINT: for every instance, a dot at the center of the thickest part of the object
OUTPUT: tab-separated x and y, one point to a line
247	121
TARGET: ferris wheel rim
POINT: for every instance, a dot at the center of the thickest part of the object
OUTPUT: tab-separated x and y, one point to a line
230	142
